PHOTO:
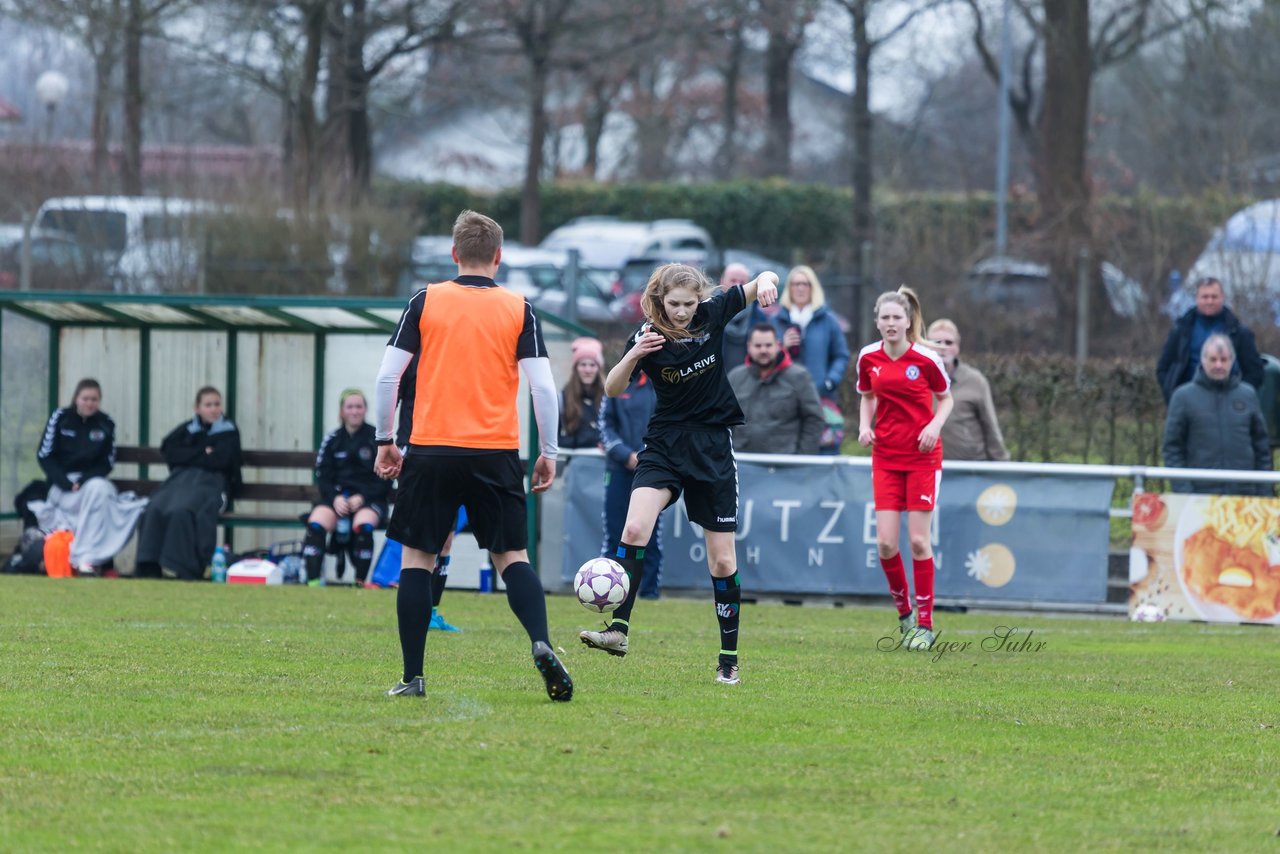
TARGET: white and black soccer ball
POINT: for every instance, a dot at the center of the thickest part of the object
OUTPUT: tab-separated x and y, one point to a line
1148	613
601	584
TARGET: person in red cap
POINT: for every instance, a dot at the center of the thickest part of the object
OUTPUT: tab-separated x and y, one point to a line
580	398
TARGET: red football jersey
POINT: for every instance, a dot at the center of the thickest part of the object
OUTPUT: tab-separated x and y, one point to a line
904	388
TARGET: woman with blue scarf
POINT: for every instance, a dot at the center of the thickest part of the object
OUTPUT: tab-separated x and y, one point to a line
179	530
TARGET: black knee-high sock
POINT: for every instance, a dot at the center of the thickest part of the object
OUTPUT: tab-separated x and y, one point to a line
632	560
413	613
438	580
524	595
728	596
313	550
362	551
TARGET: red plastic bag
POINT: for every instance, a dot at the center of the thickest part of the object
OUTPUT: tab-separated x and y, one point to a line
57	554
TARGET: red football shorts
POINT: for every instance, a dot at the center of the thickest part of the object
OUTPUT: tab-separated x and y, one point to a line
905	490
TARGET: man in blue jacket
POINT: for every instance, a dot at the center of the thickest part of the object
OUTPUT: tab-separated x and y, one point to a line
1181	355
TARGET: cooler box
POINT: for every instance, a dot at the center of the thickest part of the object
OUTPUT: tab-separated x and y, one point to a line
254	571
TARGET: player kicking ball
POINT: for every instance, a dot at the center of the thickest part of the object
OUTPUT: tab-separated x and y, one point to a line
687	447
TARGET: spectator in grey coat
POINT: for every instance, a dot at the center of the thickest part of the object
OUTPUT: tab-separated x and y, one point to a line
778	398
1215	422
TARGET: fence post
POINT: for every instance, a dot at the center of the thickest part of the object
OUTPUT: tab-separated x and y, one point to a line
1082	312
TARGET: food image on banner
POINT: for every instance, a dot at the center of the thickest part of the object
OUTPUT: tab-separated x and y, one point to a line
1205	557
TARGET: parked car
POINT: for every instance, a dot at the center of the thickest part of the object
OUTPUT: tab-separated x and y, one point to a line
149	244
1024	285
608	243
57	261
1244	254
538	274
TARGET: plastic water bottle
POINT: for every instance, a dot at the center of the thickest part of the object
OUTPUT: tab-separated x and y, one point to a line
344	525
486	577
219	565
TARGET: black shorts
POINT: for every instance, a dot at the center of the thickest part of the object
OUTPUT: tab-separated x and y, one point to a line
699	463
432	488
379	507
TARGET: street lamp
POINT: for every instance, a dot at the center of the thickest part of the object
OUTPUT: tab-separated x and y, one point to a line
51	88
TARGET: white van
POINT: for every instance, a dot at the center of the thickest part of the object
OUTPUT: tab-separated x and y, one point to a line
150	244
608	243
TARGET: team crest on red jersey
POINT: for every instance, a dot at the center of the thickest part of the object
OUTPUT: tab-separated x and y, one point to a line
913	372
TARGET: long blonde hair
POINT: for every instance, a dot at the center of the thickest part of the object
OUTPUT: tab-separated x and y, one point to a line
817	296
664	280
910	303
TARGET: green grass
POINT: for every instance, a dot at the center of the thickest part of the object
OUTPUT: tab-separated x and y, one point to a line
167	717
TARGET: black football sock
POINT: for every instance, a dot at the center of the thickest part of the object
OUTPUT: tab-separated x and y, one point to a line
527	601
313	550
362	551
438	580
413	613
728	596
631	558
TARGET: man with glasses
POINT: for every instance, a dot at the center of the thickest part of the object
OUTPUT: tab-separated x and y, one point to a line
971	432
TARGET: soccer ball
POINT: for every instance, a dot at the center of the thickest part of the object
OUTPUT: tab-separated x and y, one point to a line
1148	614
601	584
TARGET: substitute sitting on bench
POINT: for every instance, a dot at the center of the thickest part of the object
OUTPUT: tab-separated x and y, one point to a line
352	498
178	532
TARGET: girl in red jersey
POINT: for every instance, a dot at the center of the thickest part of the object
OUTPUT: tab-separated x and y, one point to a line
899	379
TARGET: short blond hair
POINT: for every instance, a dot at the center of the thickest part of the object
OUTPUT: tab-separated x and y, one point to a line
476	238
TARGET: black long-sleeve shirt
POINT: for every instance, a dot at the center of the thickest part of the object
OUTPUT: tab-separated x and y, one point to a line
345	464
75	449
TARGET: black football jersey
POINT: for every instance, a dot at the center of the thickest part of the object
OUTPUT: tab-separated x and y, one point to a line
689	374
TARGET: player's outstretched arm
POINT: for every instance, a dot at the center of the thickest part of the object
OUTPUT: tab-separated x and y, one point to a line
763	289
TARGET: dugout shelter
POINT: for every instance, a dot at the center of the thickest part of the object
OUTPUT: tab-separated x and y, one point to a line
280	363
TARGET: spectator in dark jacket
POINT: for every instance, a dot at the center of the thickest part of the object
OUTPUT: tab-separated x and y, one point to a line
623	422
1180	357
349	490
179	530
77	452
1215	422
778	399
580	398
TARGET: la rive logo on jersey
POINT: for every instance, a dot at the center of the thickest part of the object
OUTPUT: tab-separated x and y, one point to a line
683	374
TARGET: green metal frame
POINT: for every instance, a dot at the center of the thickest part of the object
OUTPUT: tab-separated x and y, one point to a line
113	308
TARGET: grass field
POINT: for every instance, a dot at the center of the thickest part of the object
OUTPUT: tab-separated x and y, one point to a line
152	716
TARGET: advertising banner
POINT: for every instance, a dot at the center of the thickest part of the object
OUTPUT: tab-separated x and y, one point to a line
1205	557
812	529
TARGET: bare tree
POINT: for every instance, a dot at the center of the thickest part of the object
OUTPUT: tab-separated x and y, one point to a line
97	26
865	43
366	37
553	34
143	18
784	22
1075	47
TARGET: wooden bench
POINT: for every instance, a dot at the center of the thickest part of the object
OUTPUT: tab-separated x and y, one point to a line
301	495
